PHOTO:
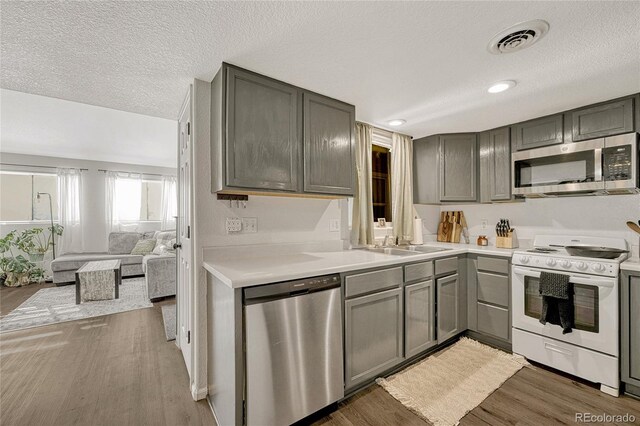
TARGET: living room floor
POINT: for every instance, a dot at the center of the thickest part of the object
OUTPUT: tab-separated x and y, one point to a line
114	369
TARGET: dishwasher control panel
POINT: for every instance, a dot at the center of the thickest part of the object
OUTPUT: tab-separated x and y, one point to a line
265	292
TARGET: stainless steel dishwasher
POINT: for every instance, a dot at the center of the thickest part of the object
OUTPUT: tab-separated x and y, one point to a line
293	340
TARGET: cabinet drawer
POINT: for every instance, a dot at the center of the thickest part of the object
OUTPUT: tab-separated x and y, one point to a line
493	289
493	264
493	320
418	271
447	266
373	281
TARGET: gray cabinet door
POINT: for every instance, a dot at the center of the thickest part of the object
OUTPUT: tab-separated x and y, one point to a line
458	167
329	145
447	300
373	335
536	133
500	164
262	132
419	317
602	120
425	171
630	325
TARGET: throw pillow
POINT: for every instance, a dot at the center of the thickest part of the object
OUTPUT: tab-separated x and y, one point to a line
144	247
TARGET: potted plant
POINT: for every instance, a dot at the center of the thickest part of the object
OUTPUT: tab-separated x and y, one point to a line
17	270
35	243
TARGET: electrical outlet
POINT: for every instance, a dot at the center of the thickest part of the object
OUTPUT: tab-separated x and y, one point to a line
233	224
334	225
250	225
484	223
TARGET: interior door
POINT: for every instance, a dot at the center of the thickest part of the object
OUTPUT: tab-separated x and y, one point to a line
184	252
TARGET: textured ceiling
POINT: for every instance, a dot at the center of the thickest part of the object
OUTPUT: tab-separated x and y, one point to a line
425	62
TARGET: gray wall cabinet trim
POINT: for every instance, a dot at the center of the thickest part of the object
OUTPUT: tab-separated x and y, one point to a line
329	145
630	328
458	167
425	171
262	132
374	335
602	120
500	164
448	303
485	159
373	281
539	132
419	317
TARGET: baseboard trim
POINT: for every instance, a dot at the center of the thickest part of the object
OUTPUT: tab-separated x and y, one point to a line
198	394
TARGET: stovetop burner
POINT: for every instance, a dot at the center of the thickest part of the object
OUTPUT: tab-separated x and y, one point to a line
542	250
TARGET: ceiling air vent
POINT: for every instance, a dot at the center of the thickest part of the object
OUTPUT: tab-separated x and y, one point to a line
518	37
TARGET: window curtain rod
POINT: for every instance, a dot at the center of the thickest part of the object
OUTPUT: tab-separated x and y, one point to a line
133	173
42	167
386	130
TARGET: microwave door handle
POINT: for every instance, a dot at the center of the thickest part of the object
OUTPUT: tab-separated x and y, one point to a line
574	279
597	164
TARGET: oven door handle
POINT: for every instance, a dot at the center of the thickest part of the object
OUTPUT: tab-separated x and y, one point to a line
600	282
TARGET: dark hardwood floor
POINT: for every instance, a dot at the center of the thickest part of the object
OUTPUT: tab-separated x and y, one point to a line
120	370
111	370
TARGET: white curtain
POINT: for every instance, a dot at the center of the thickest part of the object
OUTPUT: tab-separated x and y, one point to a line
402	186
362	222
70	211
123	198
169	203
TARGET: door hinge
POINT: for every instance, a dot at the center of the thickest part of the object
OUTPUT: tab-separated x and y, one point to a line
188	231
188	336
188	128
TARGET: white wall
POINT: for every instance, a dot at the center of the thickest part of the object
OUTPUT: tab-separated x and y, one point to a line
93	196
55	127
589	215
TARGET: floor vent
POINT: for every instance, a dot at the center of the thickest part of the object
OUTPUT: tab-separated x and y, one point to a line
518	37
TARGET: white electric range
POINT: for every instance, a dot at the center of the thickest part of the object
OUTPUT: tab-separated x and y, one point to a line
591	350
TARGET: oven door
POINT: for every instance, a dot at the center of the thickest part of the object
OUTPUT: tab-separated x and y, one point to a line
595	310
567	168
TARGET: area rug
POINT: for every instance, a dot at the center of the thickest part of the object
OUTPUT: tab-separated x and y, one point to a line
169	319
58	304
447	385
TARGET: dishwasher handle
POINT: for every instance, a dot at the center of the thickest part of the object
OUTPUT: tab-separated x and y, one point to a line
268	292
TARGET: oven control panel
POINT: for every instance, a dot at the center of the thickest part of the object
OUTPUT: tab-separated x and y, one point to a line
559	264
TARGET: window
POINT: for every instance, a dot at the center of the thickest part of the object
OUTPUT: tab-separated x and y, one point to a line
151	201
381	182
136	200
18	196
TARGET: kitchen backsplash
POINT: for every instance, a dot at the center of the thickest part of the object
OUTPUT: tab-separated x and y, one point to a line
590	215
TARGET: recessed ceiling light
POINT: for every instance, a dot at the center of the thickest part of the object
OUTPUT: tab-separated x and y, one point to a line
501	86
396	122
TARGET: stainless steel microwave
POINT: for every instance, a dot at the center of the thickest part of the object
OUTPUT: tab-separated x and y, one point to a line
598	166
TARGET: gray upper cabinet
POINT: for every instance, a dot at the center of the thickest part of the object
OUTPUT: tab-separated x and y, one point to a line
458	167
419	317
425	170
262	132
608	119
495	165
536	133
270	136
374	335
329	141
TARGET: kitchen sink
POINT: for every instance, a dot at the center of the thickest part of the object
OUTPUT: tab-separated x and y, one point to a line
392	251
425	249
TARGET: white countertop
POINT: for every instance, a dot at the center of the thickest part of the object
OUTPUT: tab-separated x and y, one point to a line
245	266
631	265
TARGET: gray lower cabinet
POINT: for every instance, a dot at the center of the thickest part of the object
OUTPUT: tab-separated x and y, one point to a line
536	133
597	121
458	167
374	335
495	165
448	307
329	141
630	329
419	317
489	294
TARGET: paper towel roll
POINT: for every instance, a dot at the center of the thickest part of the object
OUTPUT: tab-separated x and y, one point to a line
417	231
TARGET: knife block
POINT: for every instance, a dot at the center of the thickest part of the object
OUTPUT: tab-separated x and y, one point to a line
508	242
